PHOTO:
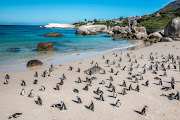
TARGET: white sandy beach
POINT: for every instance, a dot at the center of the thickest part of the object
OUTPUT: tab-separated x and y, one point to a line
159	107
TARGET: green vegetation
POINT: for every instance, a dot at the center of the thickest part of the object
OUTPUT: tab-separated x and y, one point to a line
158	21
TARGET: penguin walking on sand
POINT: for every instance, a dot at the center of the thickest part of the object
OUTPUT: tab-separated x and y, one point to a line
22	92
42	88
6	81
39	101
124	91
79	80
124	83
118	103
16	115
86	88
23	83
101	97
160	82
91	107
137	88
63	106
144	110
57	87
147	83
130	87
36	74
114	94
31	94
7	77
79	99
102	82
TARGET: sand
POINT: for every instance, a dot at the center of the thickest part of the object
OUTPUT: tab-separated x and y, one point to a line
159	107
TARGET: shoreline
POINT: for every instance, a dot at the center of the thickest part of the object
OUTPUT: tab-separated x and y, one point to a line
47	61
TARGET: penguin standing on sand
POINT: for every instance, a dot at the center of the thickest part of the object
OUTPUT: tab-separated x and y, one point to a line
22	92
91	107
144	110
31	94
39	101
79	99
42	88
118	103
23	83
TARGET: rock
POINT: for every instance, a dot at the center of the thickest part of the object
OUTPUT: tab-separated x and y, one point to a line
166	39
91	30
105	31
140	35
34	63
115	39
157	34
173	28
53	35
111	32
14	49
47	46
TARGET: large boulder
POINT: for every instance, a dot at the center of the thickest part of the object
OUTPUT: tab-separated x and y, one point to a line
47	46
173	28
91	30
53	35
157	35
166	39
140	35
34	63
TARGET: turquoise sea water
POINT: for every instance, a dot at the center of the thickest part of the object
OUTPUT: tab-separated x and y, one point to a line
26	39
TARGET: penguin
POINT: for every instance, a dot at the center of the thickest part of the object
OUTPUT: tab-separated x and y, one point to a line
113	89
116	73
63	106
160	82
79	70
42	88
7	77
101	97
81	62
114	94
147	83
124	83
61	82
124	91
97	91
86	88
124	68
36	74
56	105
79	99
111	78
119	65
22	92
76	90
92	62
110	85
64	77
130	87
137	88
70	68
118	103
57	87
39	101
31	94
177	96
144	110
103	57
35	81
102	82
23	83
15	115
79	80
112	70
6	81
91	107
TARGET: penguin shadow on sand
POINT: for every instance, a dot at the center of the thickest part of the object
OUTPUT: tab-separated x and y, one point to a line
87	107
97	98
139	112
110	96
75	101
114	105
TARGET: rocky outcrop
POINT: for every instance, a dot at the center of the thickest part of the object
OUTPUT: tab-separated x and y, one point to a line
173	28
166	39
53	35
91	30
34	63
156	36
115	39
47	46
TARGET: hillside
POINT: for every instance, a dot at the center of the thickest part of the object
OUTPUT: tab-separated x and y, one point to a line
170	6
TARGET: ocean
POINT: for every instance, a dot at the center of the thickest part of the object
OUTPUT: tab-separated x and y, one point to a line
25	39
